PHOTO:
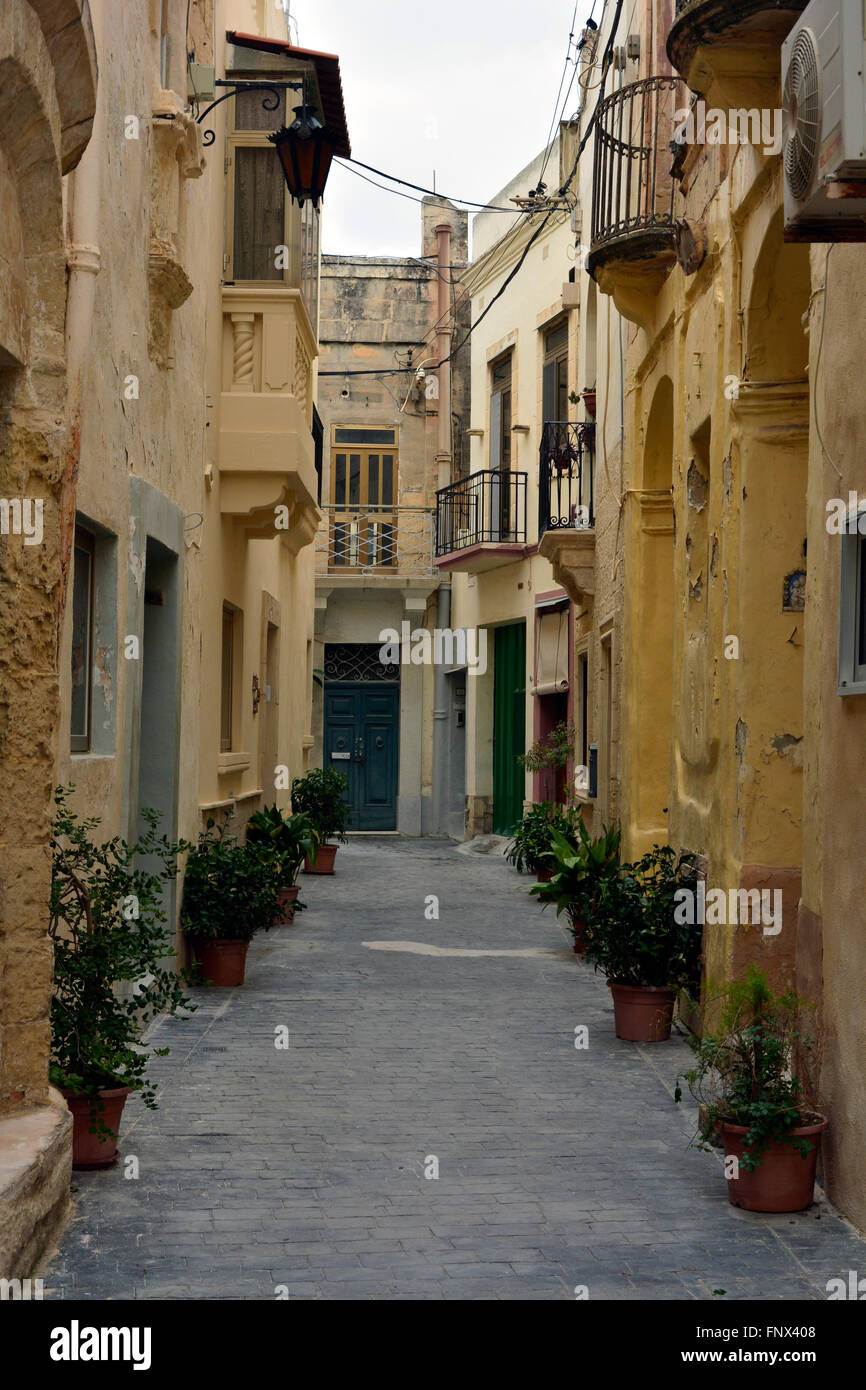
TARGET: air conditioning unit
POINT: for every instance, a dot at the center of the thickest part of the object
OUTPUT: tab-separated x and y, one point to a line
823	65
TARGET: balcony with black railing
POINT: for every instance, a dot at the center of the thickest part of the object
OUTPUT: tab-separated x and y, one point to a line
566	477
728	50
481	521
566	504
634	202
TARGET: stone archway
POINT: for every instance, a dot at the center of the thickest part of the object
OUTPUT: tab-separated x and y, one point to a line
47	103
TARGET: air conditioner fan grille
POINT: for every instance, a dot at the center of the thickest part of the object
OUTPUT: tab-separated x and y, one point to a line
803	114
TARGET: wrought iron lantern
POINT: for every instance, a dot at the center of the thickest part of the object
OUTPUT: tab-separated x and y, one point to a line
305	150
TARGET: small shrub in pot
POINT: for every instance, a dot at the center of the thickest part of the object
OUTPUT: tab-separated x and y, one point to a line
112	948
744	1082
321	795
230	892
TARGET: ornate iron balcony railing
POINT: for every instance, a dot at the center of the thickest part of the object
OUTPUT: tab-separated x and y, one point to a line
566	481
633	191
488	507
375	541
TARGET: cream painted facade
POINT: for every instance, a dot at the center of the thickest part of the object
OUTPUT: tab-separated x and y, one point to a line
392	731
546	310
165	419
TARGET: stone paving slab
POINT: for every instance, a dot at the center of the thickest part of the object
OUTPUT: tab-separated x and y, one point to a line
304	1169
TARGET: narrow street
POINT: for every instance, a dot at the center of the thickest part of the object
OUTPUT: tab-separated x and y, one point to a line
412	1039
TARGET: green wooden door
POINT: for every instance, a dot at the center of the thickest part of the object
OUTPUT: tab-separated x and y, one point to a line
509	726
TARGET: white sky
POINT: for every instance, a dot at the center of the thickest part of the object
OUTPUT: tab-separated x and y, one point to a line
465	87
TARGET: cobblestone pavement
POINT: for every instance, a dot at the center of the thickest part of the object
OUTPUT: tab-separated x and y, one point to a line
305	1168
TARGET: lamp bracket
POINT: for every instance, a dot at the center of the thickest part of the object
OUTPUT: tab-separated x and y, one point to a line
269	102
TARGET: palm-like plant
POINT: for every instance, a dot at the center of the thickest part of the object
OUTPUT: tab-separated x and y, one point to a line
291	840
581	867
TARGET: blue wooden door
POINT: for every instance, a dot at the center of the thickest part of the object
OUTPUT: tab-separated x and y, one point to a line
362	741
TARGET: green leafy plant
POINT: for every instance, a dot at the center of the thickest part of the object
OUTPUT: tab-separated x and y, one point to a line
230	891
552	751
582	865
633	935
743	1068
290	839
531	848
320	794
108	925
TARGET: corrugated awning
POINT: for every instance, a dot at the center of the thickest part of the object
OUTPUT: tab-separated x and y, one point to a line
327	66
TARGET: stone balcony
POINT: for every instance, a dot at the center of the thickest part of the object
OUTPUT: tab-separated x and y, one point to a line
728	50
268	480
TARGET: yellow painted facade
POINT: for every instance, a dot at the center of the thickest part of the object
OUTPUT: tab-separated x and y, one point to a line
738	743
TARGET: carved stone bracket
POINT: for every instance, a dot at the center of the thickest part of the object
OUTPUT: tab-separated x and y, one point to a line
571	553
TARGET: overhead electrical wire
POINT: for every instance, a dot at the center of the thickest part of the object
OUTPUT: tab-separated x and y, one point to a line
607	58
419	188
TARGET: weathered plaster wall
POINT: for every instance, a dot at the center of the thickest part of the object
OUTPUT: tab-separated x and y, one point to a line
832	940
143	416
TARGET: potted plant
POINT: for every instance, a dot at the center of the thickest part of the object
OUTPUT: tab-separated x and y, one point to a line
112	942
230	892
321	795
581	865
549	755
749	1097
530	849
290	840
635	939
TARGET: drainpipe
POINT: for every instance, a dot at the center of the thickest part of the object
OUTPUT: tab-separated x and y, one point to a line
443	343
441	710
83	261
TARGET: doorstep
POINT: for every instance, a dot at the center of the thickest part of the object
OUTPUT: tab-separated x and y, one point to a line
35	1170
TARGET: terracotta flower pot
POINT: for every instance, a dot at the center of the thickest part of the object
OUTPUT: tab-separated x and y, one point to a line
324	864
222	962
589	400
578	926
96	1150
543	875
642	1013
288	896
784	1180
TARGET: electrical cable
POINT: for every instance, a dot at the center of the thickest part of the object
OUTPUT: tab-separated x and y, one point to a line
827	455
419	188
584	141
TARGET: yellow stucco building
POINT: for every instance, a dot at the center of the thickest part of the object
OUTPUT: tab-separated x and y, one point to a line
741	737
